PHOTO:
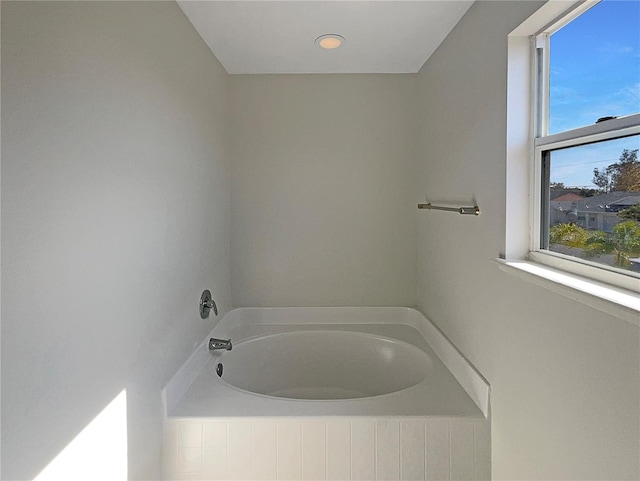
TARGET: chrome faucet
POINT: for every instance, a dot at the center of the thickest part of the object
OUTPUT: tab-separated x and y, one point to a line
216	344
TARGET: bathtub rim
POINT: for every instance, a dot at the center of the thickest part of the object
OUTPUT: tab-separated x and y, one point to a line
473	383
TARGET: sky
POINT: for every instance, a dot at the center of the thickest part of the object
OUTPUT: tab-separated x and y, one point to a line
595	72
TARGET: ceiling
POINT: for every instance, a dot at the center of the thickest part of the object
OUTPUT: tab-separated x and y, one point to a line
268	37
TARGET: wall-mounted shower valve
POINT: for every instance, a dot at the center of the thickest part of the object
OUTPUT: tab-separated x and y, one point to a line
207	304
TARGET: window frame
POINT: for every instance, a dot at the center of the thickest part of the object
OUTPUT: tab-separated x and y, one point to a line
541	143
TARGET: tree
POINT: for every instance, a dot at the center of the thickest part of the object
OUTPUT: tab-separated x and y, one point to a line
603	179
623	175
632	213
569	235
626	176
623	243
588	192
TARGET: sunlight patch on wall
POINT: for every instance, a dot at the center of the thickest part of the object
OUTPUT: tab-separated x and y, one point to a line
98	452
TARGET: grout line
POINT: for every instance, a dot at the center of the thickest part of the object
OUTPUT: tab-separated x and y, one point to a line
251	449
326	450
227	452
201	429
375	450
400	449
302	450
475	468
425	449
350	450
450	454
177	448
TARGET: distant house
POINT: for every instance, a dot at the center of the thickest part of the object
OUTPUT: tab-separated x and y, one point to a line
562	202
563	195
568	196
599	212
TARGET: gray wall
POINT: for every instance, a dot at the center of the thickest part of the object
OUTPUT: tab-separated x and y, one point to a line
115	216
564	377
322	197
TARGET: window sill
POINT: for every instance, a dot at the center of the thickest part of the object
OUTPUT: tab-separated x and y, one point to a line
615	301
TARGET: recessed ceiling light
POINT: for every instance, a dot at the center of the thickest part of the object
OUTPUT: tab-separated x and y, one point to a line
329	41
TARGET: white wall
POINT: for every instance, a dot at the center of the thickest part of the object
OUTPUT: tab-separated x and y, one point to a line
115	217
564	378
322	203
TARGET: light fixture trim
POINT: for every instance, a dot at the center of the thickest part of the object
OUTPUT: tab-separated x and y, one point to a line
330	41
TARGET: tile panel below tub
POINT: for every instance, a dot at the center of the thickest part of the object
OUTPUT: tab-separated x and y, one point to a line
327	449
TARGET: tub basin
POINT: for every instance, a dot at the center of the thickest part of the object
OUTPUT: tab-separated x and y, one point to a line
323	365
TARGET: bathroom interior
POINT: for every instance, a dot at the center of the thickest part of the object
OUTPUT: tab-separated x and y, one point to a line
141	166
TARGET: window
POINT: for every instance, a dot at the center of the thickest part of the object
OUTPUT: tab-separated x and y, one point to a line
586	126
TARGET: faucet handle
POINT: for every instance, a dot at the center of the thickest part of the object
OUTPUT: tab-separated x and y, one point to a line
207	304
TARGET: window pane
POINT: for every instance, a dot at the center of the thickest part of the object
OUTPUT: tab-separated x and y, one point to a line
595	66
593	208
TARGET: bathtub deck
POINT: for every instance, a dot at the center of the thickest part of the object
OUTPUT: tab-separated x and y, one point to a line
439	395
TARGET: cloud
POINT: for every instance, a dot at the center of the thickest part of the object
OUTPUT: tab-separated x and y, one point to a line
630	93
624	101
616	49
561	95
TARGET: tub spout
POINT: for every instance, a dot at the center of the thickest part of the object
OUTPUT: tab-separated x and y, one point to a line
216	344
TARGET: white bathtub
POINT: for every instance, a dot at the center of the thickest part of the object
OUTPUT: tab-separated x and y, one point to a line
328	362
327	393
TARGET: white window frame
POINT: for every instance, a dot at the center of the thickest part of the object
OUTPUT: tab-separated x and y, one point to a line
543	142
609	130
608	289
